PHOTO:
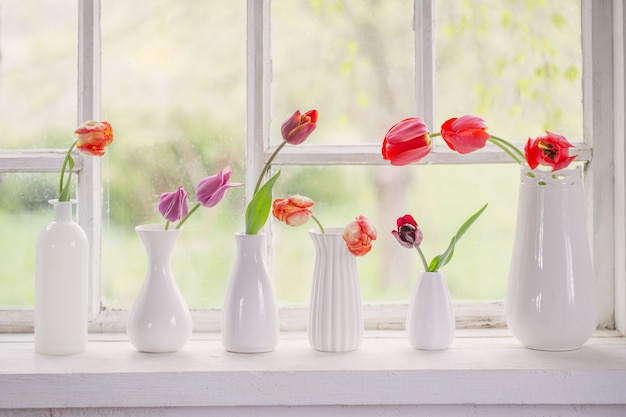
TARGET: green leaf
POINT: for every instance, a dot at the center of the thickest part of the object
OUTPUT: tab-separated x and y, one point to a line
440	261
259	208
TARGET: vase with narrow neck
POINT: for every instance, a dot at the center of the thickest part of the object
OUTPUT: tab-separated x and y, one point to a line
335	315
551	299
159	320
430	323
61	280
250	316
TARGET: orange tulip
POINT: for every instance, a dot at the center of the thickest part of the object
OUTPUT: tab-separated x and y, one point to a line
93	137
359	234
294	211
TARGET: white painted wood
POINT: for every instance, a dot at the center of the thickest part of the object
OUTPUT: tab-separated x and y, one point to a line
384	372
423	27
89	190
619	47
36	160
598	128
370	154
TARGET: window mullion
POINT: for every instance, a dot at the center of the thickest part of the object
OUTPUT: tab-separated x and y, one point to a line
89	191
424	60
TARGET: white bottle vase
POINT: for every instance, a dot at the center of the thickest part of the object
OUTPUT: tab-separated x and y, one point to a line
335	316
250	321
551	301
430	323
159	320
61	280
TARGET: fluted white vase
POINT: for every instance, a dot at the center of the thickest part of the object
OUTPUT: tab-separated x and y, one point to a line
61	280
335	316
551	301
430	323
250	321
159	320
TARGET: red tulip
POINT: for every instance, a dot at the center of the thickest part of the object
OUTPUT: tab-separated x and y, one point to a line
406	142
465	134
358	235
408	234
551	150
294	211
298	127
93	137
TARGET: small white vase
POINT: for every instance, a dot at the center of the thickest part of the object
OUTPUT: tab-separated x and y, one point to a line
551	301
335	316
430	322
159	319
61	279
250	321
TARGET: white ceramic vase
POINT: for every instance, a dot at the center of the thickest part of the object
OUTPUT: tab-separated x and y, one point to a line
430	322
335	316
250	321
159	319
551	301
61	280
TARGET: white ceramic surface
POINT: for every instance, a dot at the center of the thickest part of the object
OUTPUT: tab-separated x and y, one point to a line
430	322
335	316
159	319
250	321
61	279
551	301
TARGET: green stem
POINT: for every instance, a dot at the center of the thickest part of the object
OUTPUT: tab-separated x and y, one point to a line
66	161
167	224
318	223
509	148
267	167
424	262
194	208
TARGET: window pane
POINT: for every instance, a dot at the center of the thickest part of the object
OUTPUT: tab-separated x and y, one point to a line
174	91
38	43
24	212
352	61
517	64
439	197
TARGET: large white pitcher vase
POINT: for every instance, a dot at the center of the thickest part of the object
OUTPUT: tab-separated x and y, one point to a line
61	281
250	321
551	301
335	316
159	320
430	322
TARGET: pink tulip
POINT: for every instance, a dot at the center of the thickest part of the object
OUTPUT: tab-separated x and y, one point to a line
173	206
358	235
211	190
298	127
408	233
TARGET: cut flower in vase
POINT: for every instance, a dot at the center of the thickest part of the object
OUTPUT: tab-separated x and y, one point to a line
295	130
409	141
294	211
209	192
92	138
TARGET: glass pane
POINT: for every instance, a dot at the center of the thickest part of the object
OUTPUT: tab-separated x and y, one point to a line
352	61
24	212
38	72
440	197
174	91
517	64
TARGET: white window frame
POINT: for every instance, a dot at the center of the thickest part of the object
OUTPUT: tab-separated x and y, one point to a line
604	127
